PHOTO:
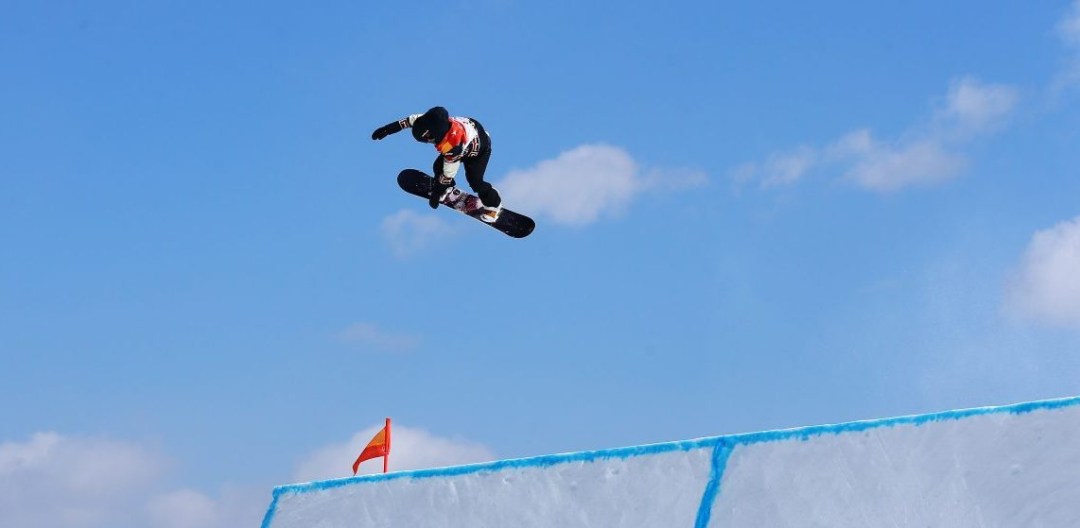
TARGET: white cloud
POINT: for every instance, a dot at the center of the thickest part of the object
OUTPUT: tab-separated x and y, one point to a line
1047	286
51	480
1069	31
927	155
883	168
576	188
98	465
193	509
788	168
1069	27
411	448
183	509
76	482
974	108
744	174
586	183
409	232
780	169
369	334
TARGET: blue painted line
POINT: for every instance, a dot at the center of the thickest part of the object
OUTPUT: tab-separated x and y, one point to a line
720	456
272	510
499	465
806	433
728	441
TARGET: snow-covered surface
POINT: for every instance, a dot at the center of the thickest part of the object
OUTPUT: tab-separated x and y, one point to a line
1010	466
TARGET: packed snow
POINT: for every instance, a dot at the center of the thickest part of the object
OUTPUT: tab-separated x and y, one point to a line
1003	467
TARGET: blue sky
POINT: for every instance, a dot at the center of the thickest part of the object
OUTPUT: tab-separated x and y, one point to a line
211	283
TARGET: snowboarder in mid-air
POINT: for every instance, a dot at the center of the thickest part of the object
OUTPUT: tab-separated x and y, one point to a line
460	141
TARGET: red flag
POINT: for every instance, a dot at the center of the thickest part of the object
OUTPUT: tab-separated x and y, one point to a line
377	447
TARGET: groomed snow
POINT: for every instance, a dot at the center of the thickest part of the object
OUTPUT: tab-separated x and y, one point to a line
1013	466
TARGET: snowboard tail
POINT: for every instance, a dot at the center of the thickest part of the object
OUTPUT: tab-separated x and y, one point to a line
510	222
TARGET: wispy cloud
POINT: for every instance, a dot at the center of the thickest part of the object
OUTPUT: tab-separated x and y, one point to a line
1069	27
884	167
51	480
193	509
779	169
409	232
82	482
1069	31
926	154
371	335
412	448
183	508
587	183
1046	288
973	109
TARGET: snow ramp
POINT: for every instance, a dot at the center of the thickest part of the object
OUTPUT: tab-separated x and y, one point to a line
1010	466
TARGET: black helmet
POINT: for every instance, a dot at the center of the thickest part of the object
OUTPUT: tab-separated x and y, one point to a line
431	126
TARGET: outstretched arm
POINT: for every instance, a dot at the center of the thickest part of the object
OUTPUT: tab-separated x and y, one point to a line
394	127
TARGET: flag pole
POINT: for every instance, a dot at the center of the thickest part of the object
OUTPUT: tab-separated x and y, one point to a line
386	458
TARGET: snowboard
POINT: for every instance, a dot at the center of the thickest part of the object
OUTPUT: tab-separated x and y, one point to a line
512	223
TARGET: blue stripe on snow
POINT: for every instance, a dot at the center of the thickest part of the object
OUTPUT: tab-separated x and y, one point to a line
729	442
719	462
273	509
498	465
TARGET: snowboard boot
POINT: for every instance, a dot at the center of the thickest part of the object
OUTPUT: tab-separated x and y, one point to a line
490	214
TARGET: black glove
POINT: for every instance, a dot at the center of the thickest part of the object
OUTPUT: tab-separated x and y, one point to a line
386	130
436	194
438	189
